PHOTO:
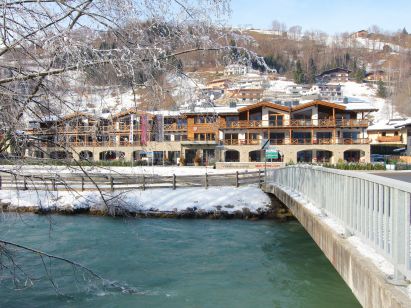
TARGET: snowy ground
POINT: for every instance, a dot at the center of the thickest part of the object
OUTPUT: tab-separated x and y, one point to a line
138	170
209	200
366	93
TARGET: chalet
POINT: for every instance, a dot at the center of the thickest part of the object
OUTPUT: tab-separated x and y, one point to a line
218	84
361	33
376	76
245	95
236	70
388	136
335	75
316	131
329	92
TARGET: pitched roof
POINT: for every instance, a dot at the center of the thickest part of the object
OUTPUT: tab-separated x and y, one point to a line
265	104
130	111
336	69
318	102
76	114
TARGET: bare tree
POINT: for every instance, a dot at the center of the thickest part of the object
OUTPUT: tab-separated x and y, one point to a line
50	48
295	32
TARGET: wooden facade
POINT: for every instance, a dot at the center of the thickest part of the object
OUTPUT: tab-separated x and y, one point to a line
314	123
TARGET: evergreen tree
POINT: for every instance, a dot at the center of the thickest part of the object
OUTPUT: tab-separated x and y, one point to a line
382	91
312	70
299	76
360	75
404	31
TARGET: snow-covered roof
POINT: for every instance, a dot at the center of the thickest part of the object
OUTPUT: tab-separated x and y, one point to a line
215	110
392	124
360	107
405	122
166	113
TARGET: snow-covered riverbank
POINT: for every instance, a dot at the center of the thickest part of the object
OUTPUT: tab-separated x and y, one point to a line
138	170
200	202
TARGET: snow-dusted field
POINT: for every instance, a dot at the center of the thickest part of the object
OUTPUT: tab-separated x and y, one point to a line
209	200
138	170
366	93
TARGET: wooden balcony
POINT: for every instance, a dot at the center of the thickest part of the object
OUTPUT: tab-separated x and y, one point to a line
175	127
297	141
295	123
353	141
352	123
389	139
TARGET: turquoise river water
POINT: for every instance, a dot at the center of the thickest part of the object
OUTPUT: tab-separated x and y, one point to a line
169	263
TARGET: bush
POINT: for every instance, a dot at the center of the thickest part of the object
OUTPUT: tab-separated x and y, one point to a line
355	166
290	163
141	162
197	159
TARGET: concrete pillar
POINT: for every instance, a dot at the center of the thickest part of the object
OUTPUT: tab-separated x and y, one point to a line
314	156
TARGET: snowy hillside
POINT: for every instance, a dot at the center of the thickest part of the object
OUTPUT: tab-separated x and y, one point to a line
366	93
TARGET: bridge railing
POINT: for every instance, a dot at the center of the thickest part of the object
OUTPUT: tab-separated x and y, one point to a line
374	208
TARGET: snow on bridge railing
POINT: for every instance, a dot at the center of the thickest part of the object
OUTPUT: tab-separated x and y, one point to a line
374	208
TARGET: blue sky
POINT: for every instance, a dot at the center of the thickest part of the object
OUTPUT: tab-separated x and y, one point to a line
331	16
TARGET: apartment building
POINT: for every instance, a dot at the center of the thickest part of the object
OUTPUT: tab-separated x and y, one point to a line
335	75
317	131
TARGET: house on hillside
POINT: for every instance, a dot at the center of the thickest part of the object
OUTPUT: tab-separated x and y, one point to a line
236	70
218	84
245	95
361	33
329	92
376	75
337	75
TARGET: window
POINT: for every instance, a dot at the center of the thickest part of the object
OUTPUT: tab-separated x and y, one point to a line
204	137
231	119
324	135
231	138
277	138
275	119
204	119
301	137
255	116
350	135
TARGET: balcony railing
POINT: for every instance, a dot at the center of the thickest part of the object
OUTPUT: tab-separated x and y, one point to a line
297	141
389	139
352	123
295	123
174	127
353	141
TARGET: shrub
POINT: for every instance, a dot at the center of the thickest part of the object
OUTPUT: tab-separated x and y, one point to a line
197	159
355	166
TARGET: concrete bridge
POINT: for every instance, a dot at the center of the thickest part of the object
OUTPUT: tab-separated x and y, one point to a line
356	219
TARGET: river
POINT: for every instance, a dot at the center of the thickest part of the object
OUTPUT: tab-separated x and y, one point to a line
173	263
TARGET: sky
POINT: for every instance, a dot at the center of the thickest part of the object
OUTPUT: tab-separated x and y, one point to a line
331	16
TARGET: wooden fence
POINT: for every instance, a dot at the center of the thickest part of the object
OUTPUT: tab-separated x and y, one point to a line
112	182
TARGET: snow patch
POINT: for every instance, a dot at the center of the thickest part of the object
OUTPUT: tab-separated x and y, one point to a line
213	199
